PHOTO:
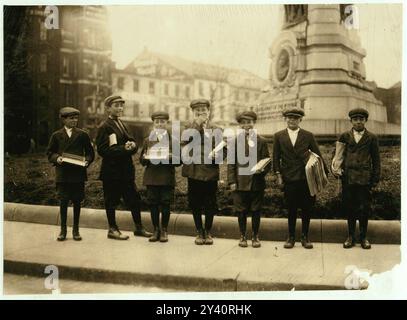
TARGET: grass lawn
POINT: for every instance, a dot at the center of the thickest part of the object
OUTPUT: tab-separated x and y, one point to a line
30	179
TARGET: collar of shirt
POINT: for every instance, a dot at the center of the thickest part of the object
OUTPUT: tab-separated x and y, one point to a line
359	133
293	131
68	131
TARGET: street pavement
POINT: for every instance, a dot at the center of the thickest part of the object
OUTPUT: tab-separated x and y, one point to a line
182	265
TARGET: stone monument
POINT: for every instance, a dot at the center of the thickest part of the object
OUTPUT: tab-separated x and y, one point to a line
317	64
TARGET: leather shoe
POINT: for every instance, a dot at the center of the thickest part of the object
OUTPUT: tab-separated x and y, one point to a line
156	236
289	243
116	234
200	239
75	234
365	243
349	242
140	231
164	235
243	241
256	242
306	243
208	238
62	235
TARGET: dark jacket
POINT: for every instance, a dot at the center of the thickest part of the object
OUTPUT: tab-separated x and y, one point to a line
117	162
78	144
158	174
254	182
202	171
290	160
361	160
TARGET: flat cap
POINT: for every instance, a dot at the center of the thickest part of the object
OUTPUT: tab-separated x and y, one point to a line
296	112
249	115
68	111
358	112
199	103
160	115
113	98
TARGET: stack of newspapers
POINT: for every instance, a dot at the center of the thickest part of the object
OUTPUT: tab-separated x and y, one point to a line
261	165
74	159
316	177
158	153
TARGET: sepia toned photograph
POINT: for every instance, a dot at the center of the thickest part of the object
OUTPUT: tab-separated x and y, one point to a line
192	148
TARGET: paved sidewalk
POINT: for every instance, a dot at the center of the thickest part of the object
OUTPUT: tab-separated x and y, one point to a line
180	264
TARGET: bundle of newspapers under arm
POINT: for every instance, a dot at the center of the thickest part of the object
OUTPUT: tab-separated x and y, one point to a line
316	176
158	153
74	159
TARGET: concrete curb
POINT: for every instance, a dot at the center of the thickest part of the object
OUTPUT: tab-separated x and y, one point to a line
272	229
182	282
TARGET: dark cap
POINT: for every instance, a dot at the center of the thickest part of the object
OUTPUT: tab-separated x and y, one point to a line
295	112
358	112
114	98
68	111
160	115
199	103
249	115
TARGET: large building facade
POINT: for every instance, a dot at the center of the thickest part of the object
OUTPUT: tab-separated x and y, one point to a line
154	81
68	63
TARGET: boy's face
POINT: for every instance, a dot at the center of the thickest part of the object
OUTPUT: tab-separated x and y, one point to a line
246	124
116	109
293	122
201	111
160	123
358	123
70	121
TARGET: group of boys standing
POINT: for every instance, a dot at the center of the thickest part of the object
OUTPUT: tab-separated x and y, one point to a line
116	146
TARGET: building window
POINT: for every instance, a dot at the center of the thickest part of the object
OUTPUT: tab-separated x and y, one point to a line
166	89
222	91
120	83
135	85
151	87
246	96
43	31
151	108
187	92
237	95
65	66
167	108
89	105
43	62
177	90
201	91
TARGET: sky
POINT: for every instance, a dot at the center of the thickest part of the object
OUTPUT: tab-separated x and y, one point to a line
239	36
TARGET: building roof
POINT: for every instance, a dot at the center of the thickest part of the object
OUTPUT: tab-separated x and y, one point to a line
199	70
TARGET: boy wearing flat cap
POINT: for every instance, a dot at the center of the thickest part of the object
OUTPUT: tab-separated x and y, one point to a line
202	177
290	153
248	190
159	174
65	147
116	147
361	173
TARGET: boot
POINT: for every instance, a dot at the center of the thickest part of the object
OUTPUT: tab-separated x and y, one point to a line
289	243
349	242
155	236
243	241
164	235
208	238
255	241
200	238
62	234
305	242
114	233
365	243
140	231
75	234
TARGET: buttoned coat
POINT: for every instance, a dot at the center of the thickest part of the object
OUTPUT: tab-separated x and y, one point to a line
290	160
117	162
253	182
78	144
361	160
